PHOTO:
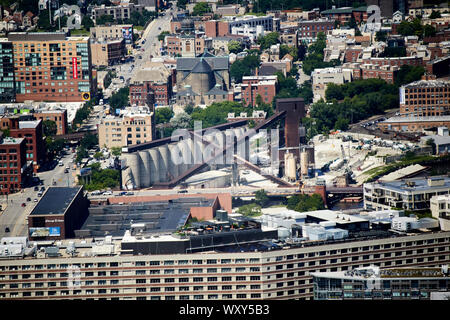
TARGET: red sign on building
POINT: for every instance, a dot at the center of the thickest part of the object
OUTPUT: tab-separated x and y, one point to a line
75	68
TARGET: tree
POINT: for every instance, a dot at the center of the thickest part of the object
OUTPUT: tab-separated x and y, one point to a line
87	22
182	4
163	115
54	146
268	40
234	46
408	74
116	151
261	198
162	35
50	127
244	67
181	121
250	210
435	15
201	8
106	18
341	124
120	99
381	36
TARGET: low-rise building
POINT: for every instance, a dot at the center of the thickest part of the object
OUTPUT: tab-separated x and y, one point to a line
410	194
344	15
113	32
187	45
135	125
59	116
440	209
252	86
119	12
15	169
308	30
322	77
441	140
414	123
107	52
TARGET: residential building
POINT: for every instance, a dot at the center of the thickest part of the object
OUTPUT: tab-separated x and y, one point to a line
289	38
196	77
60	211
253	33
220	44
7	83
386	72
394	61
151	85
343	15
135	125
105	271
322	77
440	209
119	12
107	52
15	170
252	86
150	5
373	283
187	45
425	98
308	30
52	67
410	194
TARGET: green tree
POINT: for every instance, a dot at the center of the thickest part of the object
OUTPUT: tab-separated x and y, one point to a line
341	124
408	74
181	121
201	8
234	46
435	15
250	210
244	67
54	146
268	40
163	115
104	19
182	4
116	151
87	22
261	198
120	99
50	128
162	35
381	36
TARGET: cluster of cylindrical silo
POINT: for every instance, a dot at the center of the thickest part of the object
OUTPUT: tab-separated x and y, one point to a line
165	163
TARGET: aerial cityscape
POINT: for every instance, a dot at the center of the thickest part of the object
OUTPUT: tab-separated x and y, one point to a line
224	150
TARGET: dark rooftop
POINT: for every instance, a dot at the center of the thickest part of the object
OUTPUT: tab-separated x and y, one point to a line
56	200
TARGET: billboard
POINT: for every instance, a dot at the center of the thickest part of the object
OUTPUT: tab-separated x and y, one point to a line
127	33
74	68
45	232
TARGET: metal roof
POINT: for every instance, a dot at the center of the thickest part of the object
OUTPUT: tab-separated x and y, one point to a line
56	200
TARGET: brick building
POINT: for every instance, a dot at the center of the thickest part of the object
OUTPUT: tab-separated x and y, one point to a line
52	67
310	29
14	170
352	54
386	72
152	85
252	86
425	98
186	45
414	124
58	116
343	15
411	61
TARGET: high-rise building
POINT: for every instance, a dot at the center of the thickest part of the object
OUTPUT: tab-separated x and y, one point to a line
7	84
51	67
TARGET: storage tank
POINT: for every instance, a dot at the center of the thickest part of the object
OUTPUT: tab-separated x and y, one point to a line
173	167
290	166
154	166
133	162
164	164
145	168
304	163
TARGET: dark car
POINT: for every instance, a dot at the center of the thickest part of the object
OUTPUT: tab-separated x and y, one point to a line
6	229
42	188
36	188
23	204
28	199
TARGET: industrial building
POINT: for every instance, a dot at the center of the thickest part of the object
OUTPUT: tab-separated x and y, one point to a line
410	194
60	211
153	217
373	283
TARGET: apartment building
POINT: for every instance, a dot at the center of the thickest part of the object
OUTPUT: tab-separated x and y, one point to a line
425	98
322	77
97	271
7	83
386	72
440	209
411	194
394	61
119	12
52	67
186	45
308	30
343	15
13	162
252	86
373	283
135	125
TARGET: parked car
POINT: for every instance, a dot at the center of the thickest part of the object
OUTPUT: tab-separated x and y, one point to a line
35	200
40	193
6	229
36	188
122	193
23	204
28	199
129	193
107	193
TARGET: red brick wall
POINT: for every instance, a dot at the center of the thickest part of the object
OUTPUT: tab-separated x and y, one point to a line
222	29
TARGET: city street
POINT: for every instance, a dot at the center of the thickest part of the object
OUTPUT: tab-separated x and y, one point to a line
15	215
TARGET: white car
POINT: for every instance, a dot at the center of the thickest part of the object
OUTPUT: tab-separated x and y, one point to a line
107	193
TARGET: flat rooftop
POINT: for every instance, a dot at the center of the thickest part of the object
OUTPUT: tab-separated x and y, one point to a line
419	185
55	200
